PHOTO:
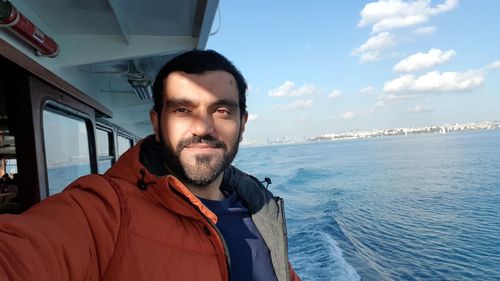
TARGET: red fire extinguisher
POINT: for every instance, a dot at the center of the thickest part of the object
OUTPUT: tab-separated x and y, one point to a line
26	30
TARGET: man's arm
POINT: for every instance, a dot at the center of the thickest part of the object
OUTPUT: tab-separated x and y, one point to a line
68	236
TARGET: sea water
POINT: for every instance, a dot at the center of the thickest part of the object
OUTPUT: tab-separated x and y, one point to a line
418	207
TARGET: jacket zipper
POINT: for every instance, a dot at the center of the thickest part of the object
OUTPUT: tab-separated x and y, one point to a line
226	250
219	234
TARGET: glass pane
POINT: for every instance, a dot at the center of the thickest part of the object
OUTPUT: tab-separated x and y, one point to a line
123	144
11	166
103	143
66	150
103	165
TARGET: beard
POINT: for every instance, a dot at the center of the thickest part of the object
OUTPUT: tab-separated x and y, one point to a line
204	168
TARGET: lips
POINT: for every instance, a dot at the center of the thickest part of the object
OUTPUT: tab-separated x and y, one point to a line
202	146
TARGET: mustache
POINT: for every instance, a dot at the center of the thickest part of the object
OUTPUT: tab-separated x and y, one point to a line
209	140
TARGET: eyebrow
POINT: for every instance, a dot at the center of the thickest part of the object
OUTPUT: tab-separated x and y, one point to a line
171	103
228	103
174	102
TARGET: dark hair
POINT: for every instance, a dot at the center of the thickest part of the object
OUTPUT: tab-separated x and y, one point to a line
198	62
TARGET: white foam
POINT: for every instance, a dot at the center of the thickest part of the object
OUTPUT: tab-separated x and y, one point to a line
342	270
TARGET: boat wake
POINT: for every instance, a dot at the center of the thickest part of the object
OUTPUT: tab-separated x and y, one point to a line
320	258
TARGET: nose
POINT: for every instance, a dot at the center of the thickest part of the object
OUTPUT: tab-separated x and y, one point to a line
203	125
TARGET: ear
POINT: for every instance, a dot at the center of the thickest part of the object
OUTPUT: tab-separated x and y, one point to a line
153	116
244	120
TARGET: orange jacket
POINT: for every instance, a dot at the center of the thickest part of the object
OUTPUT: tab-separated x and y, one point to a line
106	228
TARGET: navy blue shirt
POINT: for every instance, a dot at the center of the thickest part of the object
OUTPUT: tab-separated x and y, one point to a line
249	255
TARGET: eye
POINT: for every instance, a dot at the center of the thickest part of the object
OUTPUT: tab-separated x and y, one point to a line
181	110
223	112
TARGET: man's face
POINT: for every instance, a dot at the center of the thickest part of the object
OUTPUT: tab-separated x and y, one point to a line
200	124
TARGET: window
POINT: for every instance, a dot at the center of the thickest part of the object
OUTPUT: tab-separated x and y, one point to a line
66	149
11	166
124	143
105	150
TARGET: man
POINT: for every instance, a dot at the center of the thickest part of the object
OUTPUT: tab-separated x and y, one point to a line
172	207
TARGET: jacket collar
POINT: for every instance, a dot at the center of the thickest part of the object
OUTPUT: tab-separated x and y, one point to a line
142	166
249	189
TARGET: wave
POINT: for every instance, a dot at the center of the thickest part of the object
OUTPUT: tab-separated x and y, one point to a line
308	176
321	258
398	209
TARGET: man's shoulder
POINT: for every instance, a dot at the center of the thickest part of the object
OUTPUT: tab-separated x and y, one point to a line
97	186
249	188
90	182
235	177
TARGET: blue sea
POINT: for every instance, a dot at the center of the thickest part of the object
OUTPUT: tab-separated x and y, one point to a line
419	207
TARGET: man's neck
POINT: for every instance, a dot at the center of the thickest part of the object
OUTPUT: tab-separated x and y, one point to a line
210	192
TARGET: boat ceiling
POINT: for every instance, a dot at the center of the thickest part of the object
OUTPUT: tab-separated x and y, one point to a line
103	42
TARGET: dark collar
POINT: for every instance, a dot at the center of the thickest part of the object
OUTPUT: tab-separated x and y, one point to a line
253	194
151	156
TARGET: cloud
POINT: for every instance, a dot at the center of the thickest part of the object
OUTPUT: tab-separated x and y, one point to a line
421	60
420	109
334	94
391	14
436	81
426	30
380	104
295	105
348	115
370	56
493	65
377	42
282	90
253	89
373	47
386	100
366	90
288	89
252	117
393	97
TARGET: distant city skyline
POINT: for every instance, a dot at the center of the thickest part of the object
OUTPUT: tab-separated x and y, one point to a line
442	129
322	67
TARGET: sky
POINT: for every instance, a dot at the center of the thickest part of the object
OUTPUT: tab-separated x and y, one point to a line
321	67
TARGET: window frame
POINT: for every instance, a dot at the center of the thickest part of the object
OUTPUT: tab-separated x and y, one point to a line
111	144
124	135
66	111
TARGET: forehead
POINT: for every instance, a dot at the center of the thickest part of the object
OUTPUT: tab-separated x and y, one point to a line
218	84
